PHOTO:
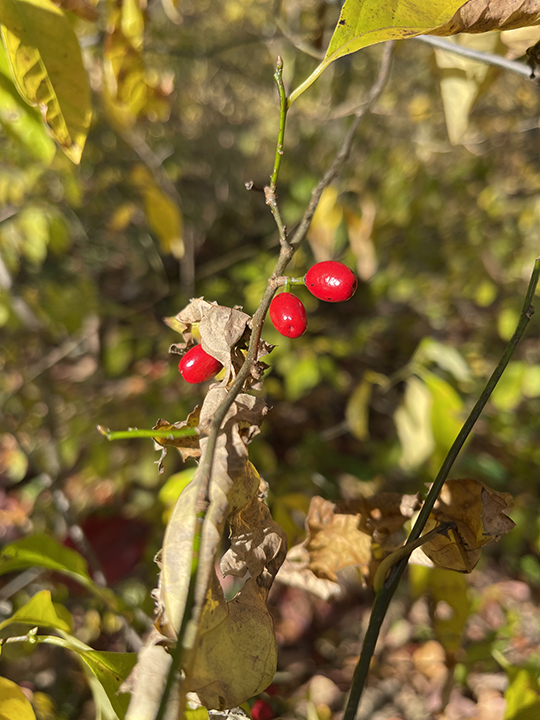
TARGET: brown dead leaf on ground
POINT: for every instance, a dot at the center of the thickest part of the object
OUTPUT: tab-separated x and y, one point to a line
480	518
479	16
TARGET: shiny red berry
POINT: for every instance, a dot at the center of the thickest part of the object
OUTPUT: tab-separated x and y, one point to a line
197	365
261	710
288	315
331	281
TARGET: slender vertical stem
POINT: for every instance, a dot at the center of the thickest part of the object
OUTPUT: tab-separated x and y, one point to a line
278	77
384	596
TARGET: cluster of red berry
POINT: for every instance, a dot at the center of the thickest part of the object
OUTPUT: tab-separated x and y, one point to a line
330	281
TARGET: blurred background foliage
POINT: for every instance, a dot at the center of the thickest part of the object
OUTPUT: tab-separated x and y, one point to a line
438	211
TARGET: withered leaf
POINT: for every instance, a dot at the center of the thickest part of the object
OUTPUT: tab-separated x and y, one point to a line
295	572
187	446
236	653
479	16
345	533
223	333
480	518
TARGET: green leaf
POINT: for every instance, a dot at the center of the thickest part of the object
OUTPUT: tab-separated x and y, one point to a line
42	550
357	411
446	414
107	671
46	65
40	610
13	702
523	695
508	393
413	424
21	121
366	22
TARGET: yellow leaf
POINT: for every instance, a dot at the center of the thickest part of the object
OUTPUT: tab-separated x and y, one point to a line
162	214
324	226
413	424
449	593
357	411
462	81
132	22
14	705
124	73
366	22
46	64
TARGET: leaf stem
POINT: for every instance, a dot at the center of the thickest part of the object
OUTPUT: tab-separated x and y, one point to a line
136	433
384	596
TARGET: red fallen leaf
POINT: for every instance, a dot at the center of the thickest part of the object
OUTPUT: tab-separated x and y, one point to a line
119	544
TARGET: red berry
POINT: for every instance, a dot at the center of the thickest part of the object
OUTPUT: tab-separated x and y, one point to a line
331	281
261	710
288	315
197	366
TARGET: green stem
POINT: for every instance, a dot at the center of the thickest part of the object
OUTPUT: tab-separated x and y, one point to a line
136	433
384	596
278	77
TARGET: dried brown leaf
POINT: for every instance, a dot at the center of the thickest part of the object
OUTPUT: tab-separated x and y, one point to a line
224	334
295	572
479	16
346	533
187	446
480	518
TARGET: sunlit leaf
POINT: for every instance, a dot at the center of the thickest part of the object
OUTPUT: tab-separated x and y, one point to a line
162	213
366	22
44	551
446	414
449	593
107	669
46	64
41	611
462	81
19	119
445	356
324	226
413	424
13	702
357	411
508	393
522	695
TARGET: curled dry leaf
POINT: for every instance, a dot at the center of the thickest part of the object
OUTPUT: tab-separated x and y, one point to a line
480	518
187	446
479	16
214	625
351	531
236	657
295	572
224	333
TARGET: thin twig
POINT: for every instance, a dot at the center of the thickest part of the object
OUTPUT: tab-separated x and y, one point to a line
345	150
384	596
278	77
485	57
